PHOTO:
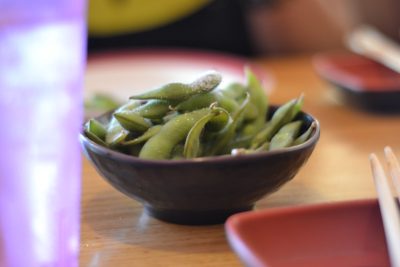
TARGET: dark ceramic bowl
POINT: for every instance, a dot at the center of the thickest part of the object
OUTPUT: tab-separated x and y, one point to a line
204	190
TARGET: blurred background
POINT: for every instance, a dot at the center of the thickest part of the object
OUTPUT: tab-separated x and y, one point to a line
243	27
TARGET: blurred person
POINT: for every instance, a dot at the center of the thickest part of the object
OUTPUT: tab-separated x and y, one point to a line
245	27
298	26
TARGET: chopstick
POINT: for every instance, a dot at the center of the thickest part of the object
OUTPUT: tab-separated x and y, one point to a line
370	42
394	168
390	211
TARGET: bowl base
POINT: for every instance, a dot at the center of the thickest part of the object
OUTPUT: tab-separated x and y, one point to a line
190	217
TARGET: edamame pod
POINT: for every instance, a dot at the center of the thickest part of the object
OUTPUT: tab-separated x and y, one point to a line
205	100
174	131
177	152
115	133
235	91
196	102
251	113
222	140
206	82
95	131
182	91
304	137
153	109
130	105
170	116
192	143
219	121
282	115
132	121
144	137
286	135
264	147
258	98
257	109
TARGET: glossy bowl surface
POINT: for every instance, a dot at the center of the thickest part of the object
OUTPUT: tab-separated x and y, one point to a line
348	233
204	190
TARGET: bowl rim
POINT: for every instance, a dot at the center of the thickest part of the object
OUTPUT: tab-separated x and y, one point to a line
99	149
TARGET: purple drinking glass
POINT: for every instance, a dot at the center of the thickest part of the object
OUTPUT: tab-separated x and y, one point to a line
42	62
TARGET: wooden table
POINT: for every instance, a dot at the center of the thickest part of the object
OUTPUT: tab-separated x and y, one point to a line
116	233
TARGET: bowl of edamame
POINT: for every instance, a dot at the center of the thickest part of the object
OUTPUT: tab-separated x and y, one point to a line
196	153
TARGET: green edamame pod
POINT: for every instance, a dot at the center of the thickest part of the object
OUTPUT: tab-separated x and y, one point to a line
243	142
219	121
170	116
177	152
264	147
95	131
251	113
116	134
130	105
296	109
173	132
192	143
205	100
248	130
258	98
304	137
226	136
257	109
286	135
196	102
206	82
153	109
144	137
132	121
227	103
182	91
282	115
235	91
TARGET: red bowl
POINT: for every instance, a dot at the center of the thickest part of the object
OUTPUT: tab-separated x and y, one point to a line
360	81
340	234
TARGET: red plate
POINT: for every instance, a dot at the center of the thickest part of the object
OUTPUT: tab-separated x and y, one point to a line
361	81
340	234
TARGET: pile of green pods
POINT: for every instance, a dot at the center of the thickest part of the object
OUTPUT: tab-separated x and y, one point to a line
201	119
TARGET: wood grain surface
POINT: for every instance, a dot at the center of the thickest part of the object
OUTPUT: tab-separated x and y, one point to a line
115	232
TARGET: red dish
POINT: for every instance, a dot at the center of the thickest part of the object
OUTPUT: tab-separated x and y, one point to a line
338	234
363	82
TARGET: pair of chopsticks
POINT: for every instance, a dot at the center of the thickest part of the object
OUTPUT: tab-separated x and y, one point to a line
390	210
371	43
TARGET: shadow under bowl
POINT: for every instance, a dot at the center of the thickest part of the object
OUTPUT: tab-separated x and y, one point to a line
203	190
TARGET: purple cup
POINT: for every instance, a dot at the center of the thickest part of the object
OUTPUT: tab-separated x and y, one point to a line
42	63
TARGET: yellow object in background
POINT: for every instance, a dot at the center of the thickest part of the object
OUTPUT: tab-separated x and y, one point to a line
111	17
